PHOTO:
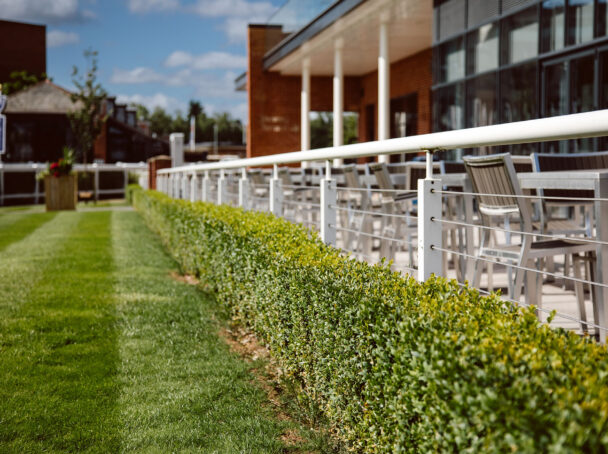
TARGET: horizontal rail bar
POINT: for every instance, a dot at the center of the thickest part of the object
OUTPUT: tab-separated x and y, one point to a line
374	213
524	196
517	232
574	126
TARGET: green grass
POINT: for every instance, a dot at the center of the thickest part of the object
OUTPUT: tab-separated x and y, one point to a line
102	351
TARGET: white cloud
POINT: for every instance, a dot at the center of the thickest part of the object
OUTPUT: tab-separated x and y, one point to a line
237	14
52	12
167	103
211	60
203	85
233	8
146	6
57	38
140	75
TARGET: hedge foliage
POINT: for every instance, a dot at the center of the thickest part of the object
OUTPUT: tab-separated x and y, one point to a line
395	365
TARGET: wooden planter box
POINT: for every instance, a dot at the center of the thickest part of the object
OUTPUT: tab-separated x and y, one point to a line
60	192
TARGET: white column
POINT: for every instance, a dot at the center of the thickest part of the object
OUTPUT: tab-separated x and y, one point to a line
305	108
176	141
338	97
383	85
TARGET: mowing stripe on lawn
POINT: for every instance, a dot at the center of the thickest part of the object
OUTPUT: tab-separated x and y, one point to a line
182	389
58	352
15	227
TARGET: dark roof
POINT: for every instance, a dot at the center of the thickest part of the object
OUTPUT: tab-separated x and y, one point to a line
313	28
43	97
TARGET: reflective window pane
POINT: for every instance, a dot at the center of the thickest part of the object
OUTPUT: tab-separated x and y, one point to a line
451	60
603	142
580	21
520	37
518	93
556	90
482	48
481	101
404	116
602	18
449	108
582	78
553	25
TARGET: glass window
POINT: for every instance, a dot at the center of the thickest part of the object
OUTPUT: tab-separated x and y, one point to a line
582	79
449	108
518	93
556	90
481	101
404	116
520	37
603	141
451	60
602	17
482	48
553	25
580	21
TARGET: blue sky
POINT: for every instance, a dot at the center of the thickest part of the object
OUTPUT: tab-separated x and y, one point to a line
154	52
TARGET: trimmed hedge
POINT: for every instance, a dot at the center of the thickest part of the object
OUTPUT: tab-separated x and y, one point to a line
395	365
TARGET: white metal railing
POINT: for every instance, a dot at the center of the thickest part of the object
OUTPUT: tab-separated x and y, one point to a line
319	201
29	172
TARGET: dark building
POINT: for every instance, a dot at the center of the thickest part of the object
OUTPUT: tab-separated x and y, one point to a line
22	48
38	128
497	61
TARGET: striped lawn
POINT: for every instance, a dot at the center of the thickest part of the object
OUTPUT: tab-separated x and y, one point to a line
102	351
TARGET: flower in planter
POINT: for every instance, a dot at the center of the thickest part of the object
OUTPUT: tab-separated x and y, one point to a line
61	167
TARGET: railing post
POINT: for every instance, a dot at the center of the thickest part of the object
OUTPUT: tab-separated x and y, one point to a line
205	187
185	186
96	182
244	190
194	187
429	230
176	186
328	207
276	194
221	188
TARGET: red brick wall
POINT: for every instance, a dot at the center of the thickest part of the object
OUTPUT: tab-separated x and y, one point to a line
274	100
411	74
22	47
154	165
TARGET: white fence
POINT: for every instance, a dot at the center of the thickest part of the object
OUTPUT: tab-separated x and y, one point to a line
367	212
19	182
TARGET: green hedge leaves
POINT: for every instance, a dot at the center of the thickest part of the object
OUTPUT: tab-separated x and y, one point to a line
395	365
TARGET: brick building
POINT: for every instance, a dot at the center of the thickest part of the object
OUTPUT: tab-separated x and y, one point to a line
417	66
22	48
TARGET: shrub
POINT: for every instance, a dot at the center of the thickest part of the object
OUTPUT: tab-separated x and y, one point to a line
395	365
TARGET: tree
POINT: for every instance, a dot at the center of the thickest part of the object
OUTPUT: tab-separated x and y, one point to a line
88	120
160	122
20	80
194	109
142	111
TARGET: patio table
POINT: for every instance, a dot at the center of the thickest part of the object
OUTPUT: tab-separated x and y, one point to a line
595	180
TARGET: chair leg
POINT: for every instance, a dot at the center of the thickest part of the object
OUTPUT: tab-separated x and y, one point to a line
517	283
580	295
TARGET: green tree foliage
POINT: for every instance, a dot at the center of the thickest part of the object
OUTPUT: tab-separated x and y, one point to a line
322	129
229	129
88	120
20	80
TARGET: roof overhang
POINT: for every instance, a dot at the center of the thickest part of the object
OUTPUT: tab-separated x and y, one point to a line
357	24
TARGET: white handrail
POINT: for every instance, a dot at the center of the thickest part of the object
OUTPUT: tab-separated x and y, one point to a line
575	126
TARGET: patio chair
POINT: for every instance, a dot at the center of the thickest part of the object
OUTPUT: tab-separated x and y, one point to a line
358	200
260	189
298	195
495	182
394	203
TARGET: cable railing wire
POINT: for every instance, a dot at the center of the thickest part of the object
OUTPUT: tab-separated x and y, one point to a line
517	232
374	213
524	196
524	268
540	309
